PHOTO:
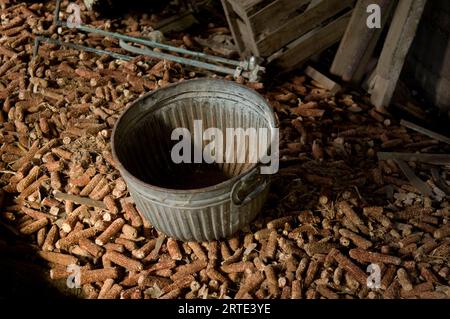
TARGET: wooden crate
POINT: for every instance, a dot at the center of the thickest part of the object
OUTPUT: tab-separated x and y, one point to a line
286	32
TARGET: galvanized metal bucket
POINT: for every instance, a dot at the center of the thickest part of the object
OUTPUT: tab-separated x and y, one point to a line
141	146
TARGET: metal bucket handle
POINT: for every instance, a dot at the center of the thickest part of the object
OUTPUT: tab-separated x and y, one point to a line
249	187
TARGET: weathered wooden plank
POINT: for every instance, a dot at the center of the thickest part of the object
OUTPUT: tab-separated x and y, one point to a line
415	181
247	37
236	8
311	43
358	40
422	130
231	18
249	4
398	41
274	15
300	25
314	3
435	159
80	200
362	69
327	83
245	8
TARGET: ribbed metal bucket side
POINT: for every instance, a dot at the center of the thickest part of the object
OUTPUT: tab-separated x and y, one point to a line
141	145
210	223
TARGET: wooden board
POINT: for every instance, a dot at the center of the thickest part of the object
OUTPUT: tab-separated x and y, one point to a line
251	5
415	181
368	61
300	25
424	131
359	41
327	83
246	8
287	29
232	22
435	159
248	38
276	14
313	4
398	41
311	43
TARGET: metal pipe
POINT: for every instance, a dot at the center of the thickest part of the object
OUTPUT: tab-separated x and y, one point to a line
154	44
145	42
169	57
115	55
240	66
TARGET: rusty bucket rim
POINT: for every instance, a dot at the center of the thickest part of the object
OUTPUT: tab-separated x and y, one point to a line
219	186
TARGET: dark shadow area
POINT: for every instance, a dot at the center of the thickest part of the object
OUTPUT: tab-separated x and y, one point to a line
22	273
23	276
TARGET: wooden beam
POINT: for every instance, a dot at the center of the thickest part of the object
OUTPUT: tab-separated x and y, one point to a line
398	41
238	8
79	200
314	3
435	159
359	41
247	37
250	5
232	22
425	131
275	15
327	83
300	25
415	181
439	180
311	43
368	61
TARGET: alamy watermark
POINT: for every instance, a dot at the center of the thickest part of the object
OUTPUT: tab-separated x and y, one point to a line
374	19
74	19
374	279
74	279
235	145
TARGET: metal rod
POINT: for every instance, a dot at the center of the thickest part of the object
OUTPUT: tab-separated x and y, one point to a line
115	55
148	43
169	57
240	66
154	44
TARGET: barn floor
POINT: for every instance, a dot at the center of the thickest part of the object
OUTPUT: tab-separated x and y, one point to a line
334	208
